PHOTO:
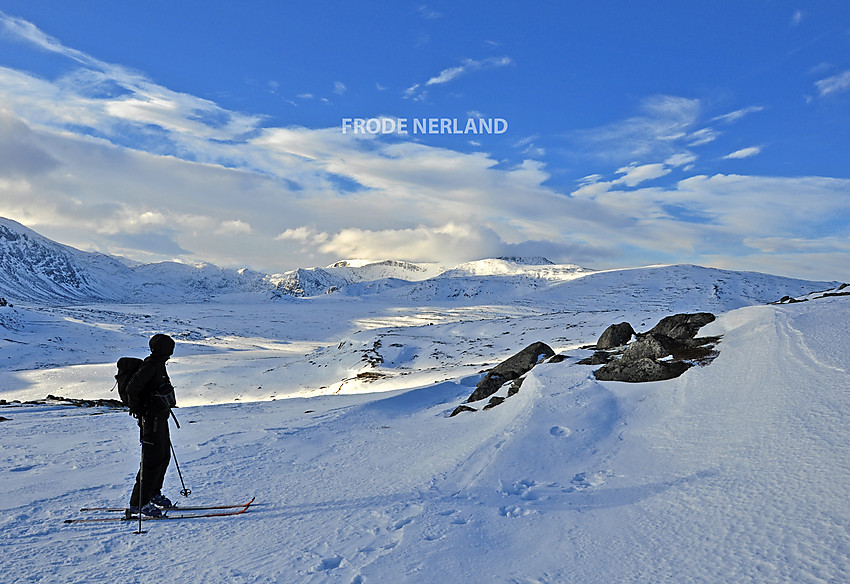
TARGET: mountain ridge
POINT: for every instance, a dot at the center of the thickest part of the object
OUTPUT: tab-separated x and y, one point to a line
34	268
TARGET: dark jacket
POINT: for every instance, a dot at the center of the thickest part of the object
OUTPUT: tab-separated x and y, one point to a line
150	390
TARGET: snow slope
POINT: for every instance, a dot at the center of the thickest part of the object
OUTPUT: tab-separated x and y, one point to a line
735	472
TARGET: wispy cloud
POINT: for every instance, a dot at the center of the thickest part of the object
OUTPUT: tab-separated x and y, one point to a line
666	134
428	13
738	114
744	153
468	65
28	32
106	97
836	84
663	126
451	73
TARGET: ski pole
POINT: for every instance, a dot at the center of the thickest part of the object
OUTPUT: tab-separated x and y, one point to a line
141	474
185	492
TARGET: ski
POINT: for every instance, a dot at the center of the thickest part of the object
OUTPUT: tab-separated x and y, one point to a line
236	510
172	508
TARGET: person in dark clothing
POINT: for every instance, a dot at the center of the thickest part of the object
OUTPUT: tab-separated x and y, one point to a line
151	398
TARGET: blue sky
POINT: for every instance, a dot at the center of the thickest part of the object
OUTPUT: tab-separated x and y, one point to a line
714	132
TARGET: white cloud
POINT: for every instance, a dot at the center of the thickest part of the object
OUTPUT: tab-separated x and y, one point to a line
738	114
28	32
452	73
703	136
233	227
681	159
303	234
835	84
466	66
339	87
665	122
636	174
744	153
665	129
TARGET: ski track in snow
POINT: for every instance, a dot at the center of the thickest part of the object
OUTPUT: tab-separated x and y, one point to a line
734	472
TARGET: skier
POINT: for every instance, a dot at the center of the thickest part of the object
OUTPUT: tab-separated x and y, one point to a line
151	398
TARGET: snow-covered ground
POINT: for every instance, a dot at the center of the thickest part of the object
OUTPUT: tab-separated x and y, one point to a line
735	472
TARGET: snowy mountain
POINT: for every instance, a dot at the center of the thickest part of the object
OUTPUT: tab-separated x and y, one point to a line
36	269
317	281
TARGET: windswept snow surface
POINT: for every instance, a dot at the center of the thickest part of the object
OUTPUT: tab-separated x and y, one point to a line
735	472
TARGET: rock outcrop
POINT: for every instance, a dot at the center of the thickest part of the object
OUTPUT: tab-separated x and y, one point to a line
682	326
511	369
615	336
666	351
641	370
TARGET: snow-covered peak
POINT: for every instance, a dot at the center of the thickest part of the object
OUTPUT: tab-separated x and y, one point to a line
351	263
32	267
35	269
532	267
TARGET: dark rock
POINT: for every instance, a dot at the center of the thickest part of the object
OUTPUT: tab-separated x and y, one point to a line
514	388
494	401
558	358
462	408
508	370
665	352
641	370
2	419
615	335
598	358
652	346
80	403
682	326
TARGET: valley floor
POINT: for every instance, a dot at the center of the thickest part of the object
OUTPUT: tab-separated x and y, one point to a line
735	472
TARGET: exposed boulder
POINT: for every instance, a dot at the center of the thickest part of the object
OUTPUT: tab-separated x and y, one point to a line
641	370
665	352
510	369
494	401
615	335
652	346
460	409
682	326
598	358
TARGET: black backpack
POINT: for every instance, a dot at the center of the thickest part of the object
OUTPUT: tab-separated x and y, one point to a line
127	367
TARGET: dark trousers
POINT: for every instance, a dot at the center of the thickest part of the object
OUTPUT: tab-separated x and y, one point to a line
156	454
